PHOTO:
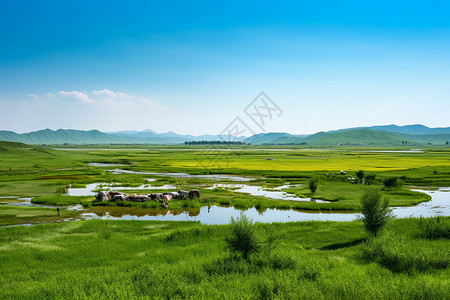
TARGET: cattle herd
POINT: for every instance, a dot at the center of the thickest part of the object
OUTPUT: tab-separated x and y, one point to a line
161	197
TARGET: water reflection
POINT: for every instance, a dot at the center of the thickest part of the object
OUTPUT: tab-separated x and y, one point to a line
273	193
96	164
184	175
438	206
217	215
23	201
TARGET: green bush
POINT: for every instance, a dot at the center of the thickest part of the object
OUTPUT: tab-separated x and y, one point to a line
370	178
392	182
313	184
375	210
400	254
434	228
243	240
360	174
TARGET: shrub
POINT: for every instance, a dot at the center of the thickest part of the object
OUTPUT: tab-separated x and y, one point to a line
392	182
399	254
313	184
243	240
226	265
360	175
370	178
434	228
375	210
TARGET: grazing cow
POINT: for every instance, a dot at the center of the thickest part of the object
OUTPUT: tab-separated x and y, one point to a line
103	196
167	197
183	194
158	196
343	173
194	194
120	196
175	195
139	198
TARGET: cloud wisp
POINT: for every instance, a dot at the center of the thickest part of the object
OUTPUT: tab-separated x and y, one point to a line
102	109
81	96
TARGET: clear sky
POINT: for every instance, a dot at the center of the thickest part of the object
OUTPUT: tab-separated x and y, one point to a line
193	66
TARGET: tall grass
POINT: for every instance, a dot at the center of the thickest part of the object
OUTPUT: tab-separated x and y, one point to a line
435	228
400	254
104	259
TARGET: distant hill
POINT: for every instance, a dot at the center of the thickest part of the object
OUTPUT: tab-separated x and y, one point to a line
274	138
389	135
59	136
6	146
415	129
354	137
368	136
70	136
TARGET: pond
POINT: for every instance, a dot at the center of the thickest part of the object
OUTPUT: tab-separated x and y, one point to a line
273	193
185	175
98	164
22	201
438	206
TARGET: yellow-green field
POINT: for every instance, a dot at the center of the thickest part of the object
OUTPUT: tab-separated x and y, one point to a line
32	171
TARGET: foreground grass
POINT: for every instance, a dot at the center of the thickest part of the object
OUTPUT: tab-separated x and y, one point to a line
137	259
13	215
44	173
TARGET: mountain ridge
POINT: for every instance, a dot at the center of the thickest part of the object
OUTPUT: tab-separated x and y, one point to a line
389	135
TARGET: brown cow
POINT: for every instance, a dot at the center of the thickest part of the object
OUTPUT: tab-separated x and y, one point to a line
167	197
103	196
194	194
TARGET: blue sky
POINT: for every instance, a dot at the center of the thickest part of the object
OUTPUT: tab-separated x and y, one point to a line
193	66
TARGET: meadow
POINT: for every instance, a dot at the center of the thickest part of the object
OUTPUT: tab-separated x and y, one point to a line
164	260
45	173
106	259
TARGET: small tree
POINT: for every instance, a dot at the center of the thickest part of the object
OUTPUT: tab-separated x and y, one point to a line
375	210
392	182
370	178
243	240
360	174
313	184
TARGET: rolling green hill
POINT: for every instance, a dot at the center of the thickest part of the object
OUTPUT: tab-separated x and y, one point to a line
60	136
274	138
373	137
7	146
389	135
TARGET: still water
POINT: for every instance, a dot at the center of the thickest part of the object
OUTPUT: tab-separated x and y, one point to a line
439	205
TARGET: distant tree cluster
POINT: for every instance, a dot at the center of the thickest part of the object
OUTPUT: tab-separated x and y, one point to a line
214	143
393	182
277	144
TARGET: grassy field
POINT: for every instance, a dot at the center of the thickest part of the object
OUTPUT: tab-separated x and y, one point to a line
44	173
13	215
161	260
156	259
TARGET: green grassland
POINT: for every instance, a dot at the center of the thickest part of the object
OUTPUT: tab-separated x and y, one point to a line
44	173
14	215
164	260
105	259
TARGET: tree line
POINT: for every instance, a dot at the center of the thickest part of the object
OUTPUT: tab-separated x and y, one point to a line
215	143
